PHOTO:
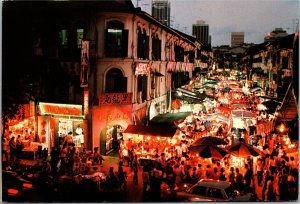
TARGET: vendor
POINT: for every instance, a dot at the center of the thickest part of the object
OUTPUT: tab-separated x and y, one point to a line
79	134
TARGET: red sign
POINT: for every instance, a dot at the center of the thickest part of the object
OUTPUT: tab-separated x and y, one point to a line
115	98
60	109
142	69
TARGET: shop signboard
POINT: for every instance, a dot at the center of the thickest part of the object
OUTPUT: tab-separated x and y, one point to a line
60	109
142	69
85	102
115	99
84	63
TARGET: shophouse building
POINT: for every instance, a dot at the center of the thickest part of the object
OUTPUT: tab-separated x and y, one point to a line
119	63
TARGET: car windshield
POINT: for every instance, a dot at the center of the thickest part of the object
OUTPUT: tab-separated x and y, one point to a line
230	192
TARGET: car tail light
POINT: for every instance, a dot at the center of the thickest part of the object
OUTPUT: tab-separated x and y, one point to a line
27	185
12	191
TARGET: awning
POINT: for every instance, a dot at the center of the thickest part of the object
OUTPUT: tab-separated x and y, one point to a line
169	119
158	74
150	130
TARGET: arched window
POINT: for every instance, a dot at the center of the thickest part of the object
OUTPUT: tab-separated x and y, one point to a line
115	82
116	44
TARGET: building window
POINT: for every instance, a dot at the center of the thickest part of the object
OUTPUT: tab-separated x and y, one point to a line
142	88
156	48
143	45
285	62
116	40
63	37
79	36
179	54
115	82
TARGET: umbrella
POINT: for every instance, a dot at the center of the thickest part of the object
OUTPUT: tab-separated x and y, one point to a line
242	149
209	140
209	151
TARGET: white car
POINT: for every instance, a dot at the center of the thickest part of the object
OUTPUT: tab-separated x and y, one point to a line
212	190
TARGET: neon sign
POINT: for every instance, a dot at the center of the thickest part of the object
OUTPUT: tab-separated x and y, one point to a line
85	102
60	109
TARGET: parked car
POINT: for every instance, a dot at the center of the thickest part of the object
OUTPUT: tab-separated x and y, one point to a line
209	189
14	187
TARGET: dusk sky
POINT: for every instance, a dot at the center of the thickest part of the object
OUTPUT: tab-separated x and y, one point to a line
253	17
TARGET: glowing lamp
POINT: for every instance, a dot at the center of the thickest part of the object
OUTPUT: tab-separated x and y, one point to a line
12	191
27	185
282	128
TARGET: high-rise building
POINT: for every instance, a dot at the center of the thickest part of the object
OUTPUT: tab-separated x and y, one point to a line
201	32
237	39
275	34
161	10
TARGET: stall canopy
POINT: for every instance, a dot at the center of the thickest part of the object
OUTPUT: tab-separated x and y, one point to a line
150	130
169	119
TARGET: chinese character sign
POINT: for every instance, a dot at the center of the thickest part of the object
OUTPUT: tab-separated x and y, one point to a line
116	98
142	69
84	63
85	102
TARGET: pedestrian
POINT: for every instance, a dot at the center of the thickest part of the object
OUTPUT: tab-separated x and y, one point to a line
97	158
122	177
283	185
146	180
248	177
19	146
112	179
54	158
177	172
239	180
12	148
266	178
5	149
231	177
216	174
209	172
270	192
63	159
222	176
259	171
135	167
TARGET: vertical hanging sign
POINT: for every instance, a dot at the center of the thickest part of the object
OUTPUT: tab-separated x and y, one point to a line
84	63
85	102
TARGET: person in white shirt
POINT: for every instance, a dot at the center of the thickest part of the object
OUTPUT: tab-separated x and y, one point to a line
184	149
79	134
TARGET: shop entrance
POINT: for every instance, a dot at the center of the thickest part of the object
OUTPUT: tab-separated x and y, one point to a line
110	140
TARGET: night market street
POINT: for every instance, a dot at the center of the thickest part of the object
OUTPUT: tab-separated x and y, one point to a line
107	101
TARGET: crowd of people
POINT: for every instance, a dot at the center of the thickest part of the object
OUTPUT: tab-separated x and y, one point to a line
170	162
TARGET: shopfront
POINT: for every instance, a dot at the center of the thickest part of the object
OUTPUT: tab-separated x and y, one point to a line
110	119
56	121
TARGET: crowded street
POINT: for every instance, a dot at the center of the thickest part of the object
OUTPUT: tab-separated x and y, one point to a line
106	101
222	140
